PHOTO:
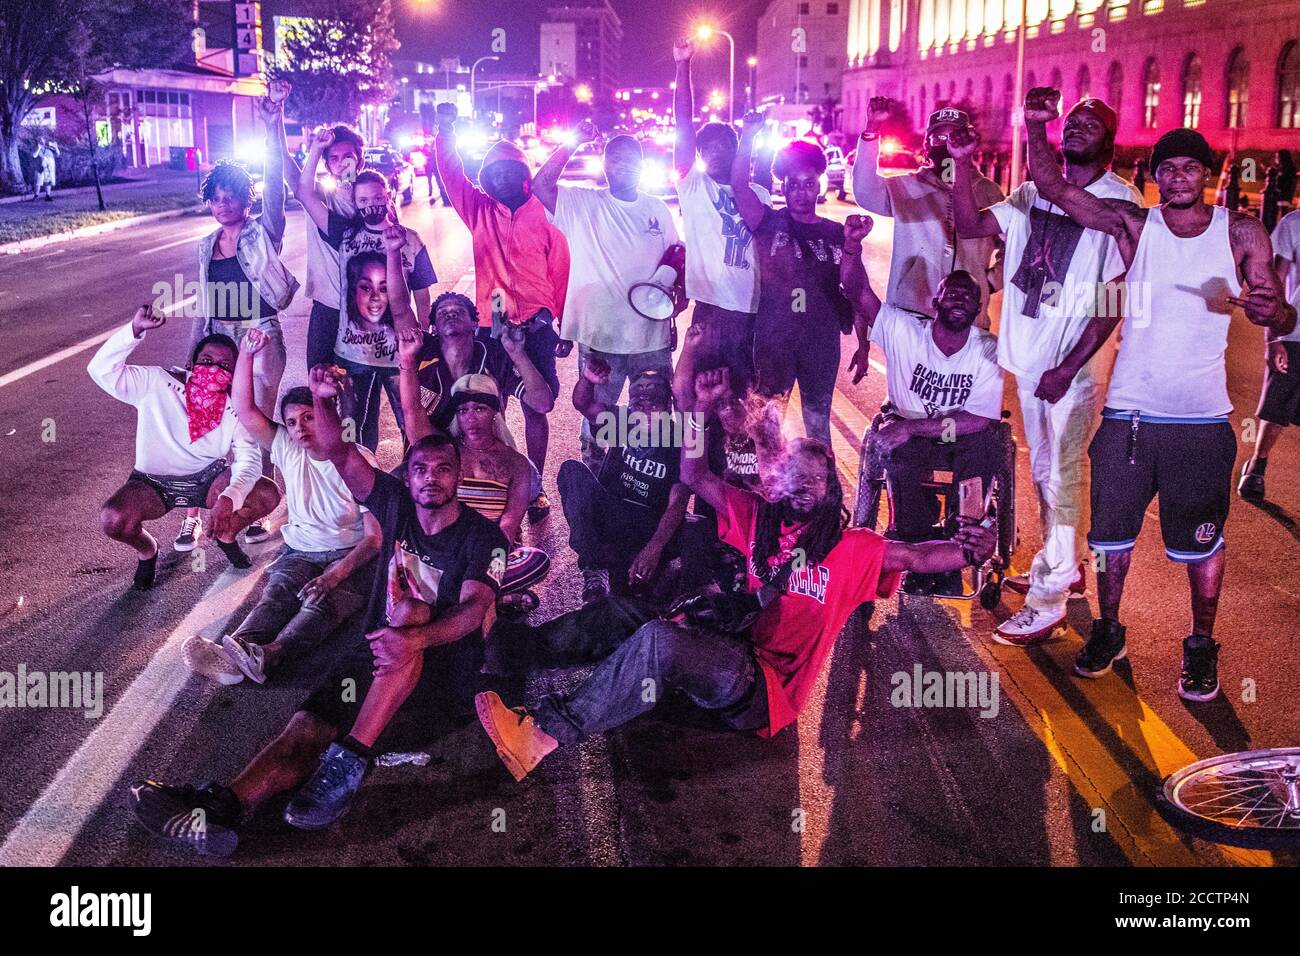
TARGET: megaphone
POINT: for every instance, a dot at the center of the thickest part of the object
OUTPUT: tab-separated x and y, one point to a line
663	296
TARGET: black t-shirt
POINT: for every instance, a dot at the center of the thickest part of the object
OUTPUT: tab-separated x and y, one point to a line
232	296
735	462
800	256
641	476
471	548
488	358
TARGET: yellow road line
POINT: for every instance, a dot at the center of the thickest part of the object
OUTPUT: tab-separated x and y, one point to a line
1091	765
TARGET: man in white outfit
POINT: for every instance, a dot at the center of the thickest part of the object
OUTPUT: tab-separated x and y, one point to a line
1053	337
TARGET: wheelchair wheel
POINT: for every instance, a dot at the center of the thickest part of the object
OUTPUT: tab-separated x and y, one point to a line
991	593
1005	498
871	485
1249	799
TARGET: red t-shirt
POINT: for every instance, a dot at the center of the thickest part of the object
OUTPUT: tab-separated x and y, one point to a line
794	634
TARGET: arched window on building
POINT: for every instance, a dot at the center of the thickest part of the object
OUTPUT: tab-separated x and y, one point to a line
952	92
1055	80
1192	91
1238	85
986	115
1083	82
936	96
1150	93
968	94
1031	80
1288	86
1115	87
1008	91
922	115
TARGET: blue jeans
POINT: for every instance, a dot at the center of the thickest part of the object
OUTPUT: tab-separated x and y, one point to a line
717	672
280	614
362	400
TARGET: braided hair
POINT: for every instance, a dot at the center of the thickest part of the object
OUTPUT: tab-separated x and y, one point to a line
822	528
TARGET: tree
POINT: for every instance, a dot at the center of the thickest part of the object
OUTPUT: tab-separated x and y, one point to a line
338	60
37	54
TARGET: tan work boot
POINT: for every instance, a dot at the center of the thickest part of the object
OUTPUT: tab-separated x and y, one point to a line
520	743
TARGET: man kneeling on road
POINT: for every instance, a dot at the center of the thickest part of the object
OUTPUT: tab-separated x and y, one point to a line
321	576
442	565
806	575
185	427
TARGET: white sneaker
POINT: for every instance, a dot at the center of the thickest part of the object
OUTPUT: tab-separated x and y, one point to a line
1028	626
208	659
250	659
190	533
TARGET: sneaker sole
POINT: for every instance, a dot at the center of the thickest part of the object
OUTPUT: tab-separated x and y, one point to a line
1102	673
245	663
1026	640
224	678
184	548
1199	698
484	710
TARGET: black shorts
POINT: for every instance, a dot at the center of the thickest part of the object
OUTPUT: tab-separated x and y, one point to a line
443	698
183	491
1280	401
1188	465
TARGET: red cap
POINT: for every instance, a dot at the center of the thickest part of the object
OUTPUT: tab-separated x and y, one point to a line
1099	109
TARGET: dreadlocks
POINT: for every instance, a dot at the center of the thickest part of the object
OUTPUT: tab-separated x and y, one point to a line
822	528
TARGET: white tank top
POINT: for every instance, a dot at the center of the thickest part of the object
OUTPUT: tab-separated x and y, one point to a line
1175	331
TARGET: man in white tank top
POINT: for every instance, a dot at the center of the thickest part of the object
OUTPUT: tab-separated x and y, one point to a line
1165	431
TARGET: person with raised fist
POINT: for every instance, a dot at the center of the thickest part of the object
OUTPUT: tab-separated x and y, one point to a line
186	426
1165	431
521	268
926	244
1054	334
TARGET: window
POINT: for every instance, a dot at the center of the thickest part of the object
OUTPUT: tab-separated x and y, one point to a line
1055	80
922	115
803	9
1238	88
803	61
1288	87
1115	87
1150	93
1192	91
1083	82
832	9
1008	91
832	61
936	96
986	119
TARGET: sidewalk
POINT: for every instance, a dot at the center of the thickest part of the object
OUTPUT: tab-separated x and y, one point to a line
158	190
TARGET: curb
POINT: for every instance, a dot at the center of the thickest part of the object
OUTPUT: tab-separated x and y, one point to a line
26	245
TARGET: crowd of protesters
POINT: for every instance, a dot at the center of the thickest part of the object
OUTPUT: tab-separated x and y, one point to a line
719	564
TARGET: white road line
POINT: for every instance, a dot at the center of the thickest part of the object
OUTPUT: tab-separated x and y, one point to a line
52	823
30	369
175	242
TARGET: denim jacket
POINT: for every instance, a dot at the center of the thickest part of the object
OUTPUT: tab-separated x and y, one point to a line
259	257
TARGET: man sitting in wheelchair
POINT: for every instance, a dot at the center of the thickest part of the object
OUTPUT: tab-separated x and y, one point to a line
944	391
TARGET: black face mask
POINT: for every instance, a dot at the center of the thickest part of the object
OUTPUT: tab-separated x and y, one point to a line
373	215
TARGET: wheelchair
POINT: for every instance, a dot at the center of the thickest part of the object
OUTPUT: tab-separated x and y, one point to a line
999	504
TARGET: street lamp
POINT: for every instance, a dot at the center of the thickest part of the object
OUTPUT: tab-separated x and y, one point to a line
473	104
753	82
703	33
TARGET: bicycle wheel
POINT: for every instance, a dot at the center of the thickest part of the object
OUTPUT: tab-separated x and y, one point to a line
1249	799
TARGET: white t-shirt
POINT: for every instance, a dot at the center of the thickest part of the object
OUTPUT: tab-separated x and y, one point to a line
1286	243
323	274
1048	300
612	245
922	382
323	515
720	264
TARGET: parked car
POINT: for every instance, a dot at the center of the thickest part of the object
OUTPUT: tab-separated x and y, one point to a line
399	173
837	170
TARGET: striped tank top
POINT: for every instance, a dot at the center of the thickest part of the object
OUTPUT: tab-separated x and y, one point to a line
485	495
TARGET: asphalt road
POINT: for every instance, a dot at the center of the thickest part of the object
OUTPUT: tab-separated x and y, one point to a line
1063	774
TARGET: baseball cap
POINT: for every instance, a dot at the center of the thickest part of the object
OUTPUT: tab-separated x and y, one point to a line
1099	109
947	115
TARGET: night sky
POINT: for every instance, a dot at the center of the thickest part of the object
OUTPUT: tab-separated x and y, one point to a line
431	29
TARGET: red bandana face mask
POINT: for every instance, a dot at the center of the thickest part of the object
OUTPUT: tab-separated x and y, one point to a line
205	398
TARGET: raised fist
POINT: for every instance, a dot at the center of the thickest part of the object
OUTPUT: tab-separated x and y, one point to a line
323	138
587	132
856	229
878	110
446	113
962	143
1042	104
683	50
146	319
254	341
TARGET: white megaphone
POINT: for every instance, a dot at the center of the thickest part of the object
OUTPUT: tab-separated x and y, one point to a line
663	296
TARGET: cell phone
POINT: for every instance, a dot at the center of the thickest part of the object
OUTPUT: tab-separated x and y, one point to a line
970	498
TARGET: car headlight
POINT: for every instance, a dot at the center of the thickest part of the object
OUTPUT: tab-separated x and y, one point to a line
593	164
654	176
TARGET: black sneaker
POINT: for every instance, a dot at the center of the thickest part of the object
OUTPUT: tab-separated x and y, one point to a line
327	795
204	819
539	510
1200	677
1251	487
595	586
1104	648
